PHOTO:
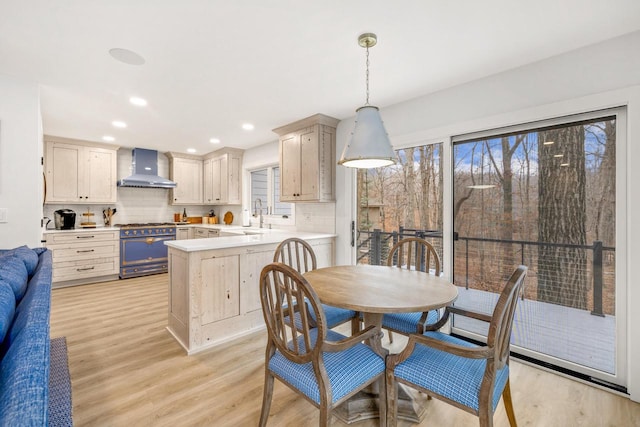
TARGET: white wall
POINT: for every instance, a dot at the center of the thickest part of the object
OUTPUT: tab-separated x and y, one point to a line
20	168
588	79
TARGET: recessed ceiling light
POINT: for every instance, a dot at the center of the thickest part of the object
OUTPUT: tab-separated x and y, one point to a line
191	150
126	56
119	124
481	186
214	141
247	126
140	102
108	138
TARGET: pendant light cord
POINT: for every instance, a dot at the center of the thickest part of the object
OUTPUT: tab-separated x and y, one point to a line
367	103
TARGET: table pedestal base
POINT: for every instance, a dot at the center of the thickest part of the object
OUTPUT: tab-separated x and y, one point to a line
364	405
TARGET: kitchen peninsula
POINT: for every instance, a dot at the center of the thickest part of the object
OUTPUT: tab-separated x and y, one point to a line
214	295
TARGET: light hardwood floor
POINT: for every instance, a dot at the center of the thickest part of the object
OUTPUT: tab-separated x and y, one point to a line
126	370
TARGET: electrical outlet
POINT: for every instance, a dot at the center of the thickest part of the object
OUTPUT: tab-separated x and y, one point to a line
4	213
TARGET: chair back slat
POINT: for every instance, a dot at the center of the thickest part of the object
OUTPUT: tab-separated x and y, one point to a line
296	253
499	334
282	291
414	253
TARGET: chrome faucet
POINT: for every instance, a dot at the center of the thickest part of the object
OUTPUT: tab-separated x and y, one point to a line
257	211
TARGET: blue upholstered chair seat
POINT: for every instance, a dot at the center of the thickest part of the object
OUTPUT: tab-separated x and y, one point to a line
333	315
454	377
347	370
407	323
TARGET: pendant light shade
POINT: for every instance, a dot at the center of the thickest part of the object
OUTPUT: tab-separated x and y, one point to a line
369	146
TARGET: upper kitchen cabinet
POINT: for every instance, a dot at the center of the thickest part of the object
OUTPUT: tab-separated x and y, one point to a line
308	159
222	177
80	171
186	172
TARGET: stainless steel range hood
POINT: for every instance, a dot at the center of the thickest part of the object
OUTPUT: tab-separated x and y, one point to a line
145	171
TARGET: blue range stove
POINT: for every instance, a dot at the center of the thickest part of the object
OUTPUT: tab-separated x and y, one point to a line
142	248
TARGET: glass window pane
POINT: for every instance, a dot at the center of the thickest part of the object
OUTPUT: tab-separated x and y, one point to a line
399	201
259	188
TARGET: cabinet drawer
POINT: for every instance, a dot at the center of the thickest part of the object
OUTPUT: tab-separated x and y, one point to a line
85	251
99	236
80	269
205	233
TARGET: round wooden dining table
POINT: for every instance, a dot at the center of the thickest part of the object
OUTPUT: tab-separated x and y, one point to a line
374	290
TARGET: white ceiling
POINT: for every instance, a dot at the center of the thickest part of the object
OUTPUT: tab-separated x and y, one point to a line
212	65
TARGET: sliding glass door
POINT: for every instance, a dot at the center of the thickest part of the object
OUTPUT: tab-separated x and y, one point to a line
545	195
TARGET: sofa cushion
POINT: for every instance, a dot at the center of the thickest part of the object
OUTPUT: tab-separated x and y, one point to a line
28	256
7	309
13	272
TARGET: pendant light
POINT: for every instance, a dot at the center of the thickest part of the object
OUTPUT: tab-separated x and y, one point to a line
369	146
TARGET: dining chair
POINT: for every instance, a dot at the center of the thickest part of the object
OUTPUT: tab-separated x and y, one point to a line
412	253
299	255
468	376
322	365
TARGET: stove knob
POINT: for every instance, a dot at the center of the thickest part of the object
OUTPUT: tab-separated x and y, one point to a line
126	232
135	231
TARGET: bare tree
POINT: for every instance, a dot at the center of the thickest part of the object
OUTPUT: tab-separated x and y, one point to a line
410	183
505	177
562	217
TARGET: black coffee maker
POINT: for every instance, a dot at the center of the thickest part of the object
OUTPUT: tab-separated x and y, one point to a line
64	219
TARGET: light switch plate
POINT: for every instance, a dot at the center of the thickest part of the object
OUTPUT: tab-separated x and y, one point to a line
4	213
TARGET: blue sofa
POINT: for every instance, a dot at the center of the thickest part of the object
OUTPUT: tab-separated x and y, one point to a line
25	303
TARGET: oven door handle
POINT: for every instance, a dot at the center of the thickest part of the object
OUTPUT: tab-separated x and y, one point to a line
150	240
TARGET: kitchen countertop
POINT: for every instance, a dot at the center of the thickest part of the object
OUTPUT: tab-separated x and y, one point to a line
258	236
221	227
82	230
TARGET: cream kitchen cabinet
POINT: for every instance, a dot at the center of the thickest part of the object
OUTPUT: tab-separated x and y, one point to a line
222	177
186	172
184	233
214	292
80	172
308	159
84	256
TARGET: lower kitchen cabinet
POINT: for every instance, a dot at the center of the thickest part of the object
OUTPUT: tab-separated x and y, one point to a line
220	297
253	262
214	294
184	233
84	256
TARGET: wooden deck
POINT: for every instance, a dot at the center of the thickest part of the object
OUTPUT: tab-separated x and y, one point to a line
561	332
